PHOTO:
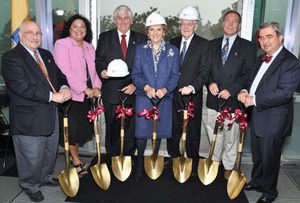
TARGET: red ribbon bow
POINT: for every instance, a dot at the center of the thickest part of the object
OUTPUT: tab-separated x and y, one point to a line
224	114
190	113
150	113
241	118
122	112
266	58
93	114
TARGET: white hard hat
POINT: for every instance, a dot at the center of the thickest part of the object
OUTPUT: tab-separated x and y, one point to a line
117	68
155	19
189	13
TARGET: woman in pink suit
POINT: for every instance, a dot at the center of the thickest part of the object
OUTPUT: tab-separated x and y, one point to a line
75	56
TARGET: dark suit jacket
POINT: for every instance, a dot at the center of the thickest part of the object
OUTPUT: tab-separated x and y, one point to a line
273	114
234	74
108	49
30	112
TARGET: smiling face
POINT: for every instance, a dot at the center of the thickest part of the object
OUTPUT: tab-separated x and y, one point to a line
188	27
155	33
123	21
78	30
231	24
30	35
269	40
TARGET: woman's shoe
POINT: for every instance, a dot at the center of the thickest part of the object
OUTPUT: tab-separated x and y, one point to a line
81	170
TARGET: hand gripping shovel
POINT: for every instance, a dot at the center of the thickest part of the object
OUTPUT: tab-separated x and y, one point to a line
121	165
100	171
237	179
68	178
154	164
182	166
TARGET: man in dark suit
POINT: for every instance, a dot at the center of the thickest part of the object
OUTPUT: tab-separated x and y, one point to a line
232	61
194	64
33	80
118	43
270	95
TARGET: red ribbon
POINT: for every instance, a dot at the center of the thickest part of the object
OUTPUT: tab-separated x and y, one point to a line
190	113
241	118
93	114
122	112
224	114
150	113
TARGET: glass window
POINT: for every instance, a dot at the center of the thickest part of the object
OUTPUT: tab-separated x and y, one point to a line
62	10
210	14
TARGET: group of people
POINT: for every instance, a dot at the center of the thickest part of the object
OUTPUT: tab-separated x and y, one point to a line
169	73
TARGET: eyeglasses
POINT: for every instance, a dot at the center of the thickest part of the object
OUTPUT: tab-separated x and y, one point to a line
264	38
32	34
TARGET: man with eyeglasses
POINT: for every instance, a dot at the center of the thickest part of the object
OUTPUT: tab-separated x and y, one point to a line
194	64
232	62
269	96
35	85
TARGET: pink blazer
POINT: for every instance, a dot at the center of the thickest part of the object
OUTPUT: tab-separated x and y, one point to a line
72	59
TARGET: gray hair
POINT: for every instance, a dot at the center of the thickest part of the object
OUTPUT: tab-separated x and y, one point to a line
122	8
274	25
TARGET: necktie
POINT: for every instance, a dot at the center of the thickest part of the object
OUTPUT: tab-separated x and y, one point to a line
266	58
44	70
182	53
224	51
124	46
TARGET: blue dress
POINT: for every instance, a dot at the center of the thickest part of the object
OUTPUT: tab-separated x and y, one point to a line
158	71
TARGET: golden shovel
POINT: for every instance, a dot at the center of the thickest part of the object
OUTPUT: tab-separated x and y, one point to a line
121	165
207	168
237	179
68	178
182	166
100	171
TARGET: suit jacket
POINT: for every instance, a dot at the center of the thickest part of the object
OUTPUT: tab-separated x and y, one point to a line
73	61
108	49
234	74
167	77
273	114
194	69
30	111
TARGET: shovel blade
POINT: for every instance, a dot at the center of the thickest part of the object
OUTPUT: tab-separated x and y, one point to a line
69	182
101	175
207	170
182	168
154	166
121	167
235	184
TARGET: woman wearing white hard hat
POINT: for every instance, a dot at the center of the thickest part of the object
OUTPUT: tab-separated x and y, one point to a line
155	74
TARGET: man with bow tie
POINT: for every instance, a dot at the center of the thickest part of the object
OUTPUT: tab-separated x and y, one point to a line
232	61
270	96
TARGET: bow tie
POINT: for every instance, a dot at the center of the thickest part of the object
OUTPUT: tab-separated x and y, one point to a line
266	58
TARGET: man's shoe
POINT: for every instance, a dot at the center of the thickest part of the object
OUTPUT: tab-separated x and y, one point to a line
250	187
227	174
36	197
52	183
264	199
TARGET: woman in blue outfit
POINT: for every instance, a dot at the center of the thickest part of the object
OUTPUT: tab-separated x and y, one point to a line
155	74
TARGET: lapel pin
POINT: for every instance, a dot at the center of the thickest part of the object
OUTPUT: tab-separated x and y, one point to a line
133	42
235	53
49	61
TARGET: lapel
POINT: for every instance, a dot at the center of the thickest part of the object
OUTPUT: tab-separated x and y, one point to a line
116	44
48	63
131	45
274	66
31	64
190	50
234	51
218	51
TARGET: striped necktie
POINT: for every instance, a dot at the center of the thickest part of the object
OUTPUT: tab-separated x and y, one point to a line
224	51
182	53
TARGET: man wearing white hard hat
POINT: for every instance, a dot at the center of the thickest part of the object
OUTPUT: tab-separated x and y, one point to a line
155	74
118	44
232	61
194	64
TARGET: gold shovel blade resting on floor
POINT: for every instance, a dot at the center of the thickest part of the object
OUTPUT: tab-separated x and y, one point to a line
154	164
100	171
68	178
182	166
237	179
121	165
207	168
